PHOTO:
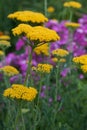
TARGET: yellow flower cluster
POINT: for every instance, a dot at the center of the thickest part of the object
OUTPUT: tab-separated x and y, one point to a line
80	59
72	24
1	53
28	16
38	33
4	37
54	59
84	68
42	49
72	4
58	60
21	29
42	34
18	91
4	44
83	61
50	9
43	68
9	70
60	52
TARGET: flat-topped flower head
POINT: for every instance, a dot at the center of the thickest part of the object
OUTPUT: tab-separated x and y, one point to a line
72	24
60	52
4	37
19	91
43	68
72	4
21	29
4	44
9	70
42	49
42	34
80	59
28	16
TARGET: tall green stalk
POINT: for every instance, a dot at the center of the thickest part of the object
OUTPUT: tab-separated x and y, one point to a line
28	73
45	7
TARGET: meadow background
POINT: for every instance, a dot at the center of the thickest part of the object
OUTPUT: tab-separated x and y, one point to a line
62	108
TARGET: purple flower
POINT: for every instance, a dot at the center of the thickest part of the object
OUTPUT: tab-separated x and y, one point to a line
80	36
61	29
20	43
83	20
42	95
50	100
58	98
81	76
65	72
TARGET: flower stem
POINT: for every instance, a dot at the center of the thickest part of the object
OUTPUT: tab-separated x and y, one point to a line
45	7
71	15
28	73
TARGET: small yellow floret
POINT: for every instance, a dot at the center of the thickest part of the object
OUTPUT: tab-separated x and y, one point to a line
60	52
19	91
9	70
43	68
21	29
50	9
42	34
4	44
28	16
72	24
72	4
4	37
42	49
84	68
80	59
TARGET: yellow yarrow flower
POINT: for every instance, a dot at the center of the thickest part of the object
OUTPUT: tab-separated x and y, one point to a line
1	53
54	59
19	91
50	9
84	68
4	37
80	59
72	4
72	24
42	34
42	49
4	44
38	33
9	70
28	16
43	68
21	29
60	52
62	60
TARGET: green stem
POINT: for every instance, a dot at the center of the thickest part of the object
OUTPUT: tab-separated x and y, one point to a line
39	89
28	73
23	124
71	14
45	7
17	118
56	93
6	80
47	85
57	82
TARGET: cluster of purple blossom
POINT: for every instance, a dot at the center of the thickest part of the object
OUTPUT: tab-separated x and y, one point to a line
77	43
